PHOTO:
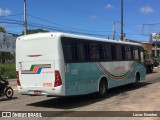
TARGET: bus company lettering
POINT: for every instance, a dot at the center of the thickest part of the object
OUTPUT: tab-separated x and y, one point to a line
119	68
47	72
47	84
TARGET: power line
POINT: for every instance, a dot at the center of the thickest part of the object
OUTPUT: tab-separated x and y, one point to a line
66	27
13	15
150	28
137	34
10	21
53	28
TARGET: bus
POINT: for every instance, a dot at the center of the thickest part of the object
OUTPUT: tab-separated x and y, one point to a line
62	64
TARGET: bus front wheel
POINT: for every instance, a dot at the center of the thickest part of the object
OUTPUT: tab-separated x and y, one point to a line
102	88
137	79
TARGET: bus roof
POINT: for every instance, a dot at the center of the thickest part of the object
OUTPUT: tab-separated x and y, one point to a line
61	34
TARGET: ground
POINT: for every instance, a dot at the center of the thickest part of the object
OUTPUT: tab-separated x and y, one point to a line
145	97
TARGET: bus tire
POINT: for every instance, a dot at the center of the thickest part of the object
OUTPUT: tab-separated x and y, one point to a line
137	79
102	88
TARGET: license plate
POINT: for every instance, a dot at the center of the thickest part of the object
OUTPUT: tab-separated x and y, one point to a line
37	92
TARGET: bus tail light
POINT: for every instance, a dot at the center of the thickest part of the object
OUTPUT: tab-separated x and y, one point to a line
18	81
58	80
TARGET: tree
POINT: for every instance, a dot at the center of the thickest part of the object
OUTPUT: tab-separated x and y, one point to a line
2	29
32	31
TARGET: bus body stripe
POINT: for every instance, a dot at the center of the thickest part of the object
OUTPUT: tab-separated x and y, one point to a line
113	76
36	69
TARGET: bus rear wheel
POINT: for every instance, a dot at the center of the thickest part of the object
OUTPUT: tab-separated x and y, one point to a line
102	88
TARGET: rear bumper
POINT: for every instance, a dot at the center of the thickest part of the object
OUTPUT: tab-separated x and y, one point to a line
56	91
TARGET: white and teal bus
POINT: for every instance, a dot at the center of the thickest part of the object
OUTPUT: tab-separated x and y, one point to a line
61	64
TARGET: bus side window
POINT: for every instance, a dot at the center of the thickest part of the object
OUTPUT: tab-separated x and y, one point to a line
118	52
128	54
94	52
108	52
142	55
80	52
87	52
101	51
113	52
135	52
68	55
123	53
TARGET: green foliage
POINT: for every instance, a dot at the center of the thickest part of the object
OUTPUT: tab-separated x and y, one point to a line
7	57
32	31
8	70
2	29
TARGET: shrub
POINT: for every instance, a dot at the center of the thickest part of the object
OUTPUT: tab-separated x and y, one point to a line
8	70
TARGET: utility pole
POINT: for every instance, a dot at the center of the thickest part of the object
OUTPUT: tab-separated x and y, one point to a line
25	19
121	20
113	34
114	29
156	48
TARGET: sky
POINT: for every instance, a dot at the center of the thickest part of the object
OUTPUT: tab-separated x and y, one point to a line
89	17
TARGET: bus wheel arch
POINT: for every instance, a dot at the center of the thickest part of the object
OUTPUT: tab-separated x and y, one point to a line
102	87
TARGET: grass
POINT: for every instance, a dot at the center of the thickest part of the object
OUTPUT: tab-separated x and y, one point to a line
8	70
